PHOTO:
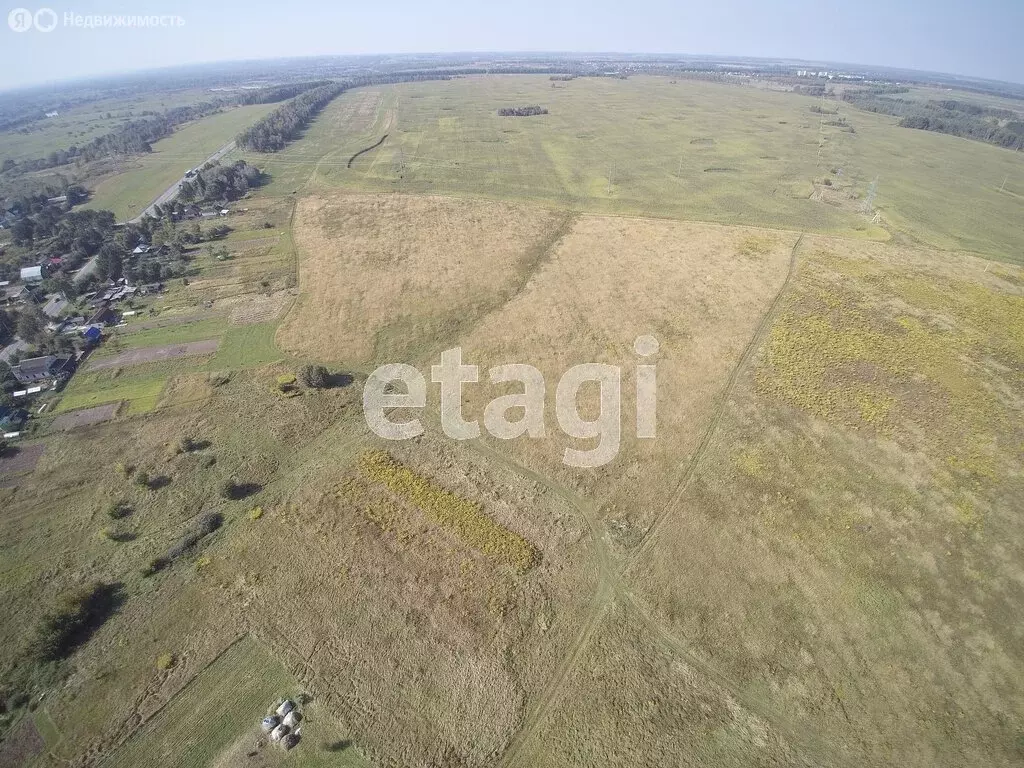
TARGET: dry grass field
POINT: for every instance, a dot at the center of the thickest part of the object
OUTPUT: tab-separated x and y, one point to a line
846	555
701	290
816	562
385	277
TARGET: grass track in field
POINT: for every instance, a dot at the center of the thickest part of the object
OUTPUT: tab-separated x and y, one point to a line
216	710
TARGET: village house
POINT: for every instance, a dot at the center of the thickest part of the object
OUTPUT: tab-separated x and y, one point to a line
13	294
37	369
103	316
32	274
55	304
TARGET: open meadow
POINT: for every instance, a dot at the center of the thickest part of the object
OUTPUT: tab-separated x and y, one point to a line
81	123
687	149
815	561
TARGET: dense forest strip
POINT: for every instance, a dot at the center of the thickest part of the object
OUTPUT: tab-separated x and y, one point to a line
286	122
1002	127
276	93
132	138
367	149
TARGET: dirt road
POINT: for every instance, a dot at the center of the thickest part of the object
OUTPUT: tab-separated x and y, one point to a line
172	191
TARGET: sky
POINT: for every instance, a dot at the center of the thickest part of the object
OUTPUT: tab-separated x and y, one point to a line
980	38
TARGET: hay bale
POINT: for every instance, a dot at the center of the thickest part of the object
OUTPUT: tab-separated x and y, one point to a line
286	706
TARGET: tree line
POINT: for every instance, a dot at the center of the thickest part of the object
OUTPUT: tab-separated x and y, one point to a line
136	136
275	93
1001	127
534	109
132	138
287	121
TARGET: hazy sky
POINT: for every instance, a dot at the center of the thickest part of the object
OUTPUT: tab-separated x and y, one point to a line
972	37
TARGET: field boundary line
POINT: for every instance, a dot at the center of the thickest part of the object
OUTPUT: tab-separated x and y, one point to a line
109	753
600	602
723	403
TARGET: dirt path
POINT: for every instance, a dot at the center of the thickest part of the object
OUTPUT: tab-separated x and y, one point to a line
152	354
172	191
612	589
741	365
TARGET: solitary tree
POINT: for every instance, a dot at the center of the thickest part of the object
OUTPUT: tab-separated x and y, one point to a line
313	376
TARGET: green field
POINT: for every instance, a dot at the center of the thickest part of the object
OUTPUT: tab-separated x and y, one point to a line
223	704
79	125
129	192
173	333
139	385
246	346
690	150
352	121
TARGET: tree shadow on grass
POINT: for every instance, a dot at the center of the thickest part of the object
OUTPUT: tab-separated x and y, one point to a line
244	490
75	621
338	380
158	482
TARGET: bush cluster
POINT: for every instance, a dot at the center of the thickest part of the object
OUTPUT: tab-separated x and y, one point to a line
466	519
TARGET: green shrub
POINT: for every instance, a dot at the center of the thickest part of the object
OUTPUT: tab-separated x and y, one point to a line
165	661
74	618
118	510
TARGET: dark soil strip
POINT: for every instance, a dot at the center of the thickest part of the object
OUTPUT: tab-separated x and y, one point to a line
21	458
22	747
362	151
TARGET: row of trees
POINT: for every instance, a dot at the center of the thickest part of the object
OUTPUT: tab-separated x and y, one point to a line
136	136
1001	127
221	182
132	138
1009	135
522	111
276	93
286	122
